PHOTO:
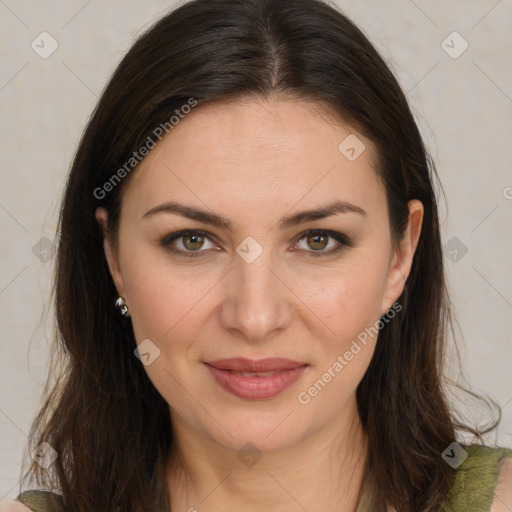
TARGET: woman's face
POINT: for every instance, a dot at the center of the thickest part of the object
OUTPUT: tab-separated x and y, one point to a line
241	182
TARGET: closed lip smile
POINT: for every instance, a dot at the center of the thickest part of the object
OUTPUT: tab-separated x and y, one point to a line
255	379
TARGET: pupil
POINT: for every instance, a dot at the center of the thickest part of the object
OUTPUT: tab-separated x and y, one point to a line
194	241
318	239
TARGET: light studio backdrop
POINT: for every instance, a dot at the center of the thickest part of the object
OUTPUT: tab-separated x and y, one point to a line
451	58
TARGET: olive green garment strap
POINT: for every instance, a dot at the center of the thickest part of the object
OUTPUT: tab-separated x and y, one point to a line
42	501
476	480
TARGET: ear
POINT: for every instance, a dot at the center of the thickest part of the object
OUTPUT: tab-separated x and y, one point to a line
401	262
101	215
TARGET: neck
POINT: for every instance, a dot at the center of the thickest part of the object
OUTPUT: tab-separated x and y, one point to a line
323	472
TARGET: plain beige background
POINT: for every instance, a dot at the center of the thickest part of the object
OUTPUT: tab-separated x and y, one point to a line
461	97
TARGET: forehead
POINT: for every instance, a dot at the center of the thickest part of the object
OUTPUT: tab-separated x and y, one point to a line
259	153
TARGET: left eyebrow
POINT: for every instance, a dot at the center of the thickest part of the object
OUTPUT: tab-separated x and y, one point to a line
321	212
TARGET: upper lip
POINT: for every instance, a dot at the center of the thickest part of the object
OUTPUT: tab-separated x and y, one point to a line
241	364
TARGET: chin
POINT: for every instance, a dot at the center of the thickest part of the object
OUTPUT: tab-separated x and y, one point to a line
267	431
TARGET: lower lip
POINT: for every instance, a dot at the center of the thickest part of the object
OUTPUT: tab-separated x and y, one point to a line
256	388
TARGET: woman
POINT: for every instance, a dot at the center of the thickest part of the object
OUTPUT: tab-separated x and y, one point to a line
250	291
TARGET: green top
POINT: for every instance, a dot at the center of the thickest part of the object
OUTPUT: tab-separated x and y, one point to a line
473	490
476	479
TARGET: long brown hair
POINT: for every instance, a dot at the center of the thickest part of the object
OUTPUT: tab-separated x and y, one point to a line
108	424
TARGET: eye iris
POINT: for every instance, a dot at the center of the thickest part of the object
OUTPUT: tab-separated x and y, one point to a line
196	241
317	242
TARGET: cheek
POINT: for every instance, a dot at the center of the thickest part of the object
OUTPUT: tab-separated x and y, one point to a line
164	303
349	299
349	306
171	310
162	297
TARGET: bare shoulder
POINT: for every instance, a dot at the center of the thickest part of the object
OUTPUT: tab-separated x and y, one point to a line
13	506
503	494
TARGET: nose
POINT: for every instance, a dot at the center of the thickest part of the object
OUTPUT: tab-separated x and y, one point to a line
258	304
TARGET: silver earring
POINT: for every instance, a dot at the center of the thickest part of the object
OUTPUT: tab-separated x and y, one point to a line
121	305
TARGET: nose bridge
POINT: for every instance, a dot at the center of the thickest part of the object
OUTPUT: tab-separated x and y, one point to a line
255	281
257	305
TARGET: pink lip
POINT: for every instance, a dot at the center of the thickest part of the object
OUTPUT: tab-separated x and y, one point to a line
255	387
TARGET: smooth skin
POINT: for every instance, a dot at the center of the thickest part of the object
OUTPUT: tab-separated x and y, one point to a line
254	163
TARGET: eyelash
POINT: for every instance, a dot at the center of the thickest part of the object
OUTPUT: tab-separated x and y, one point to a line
342	239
